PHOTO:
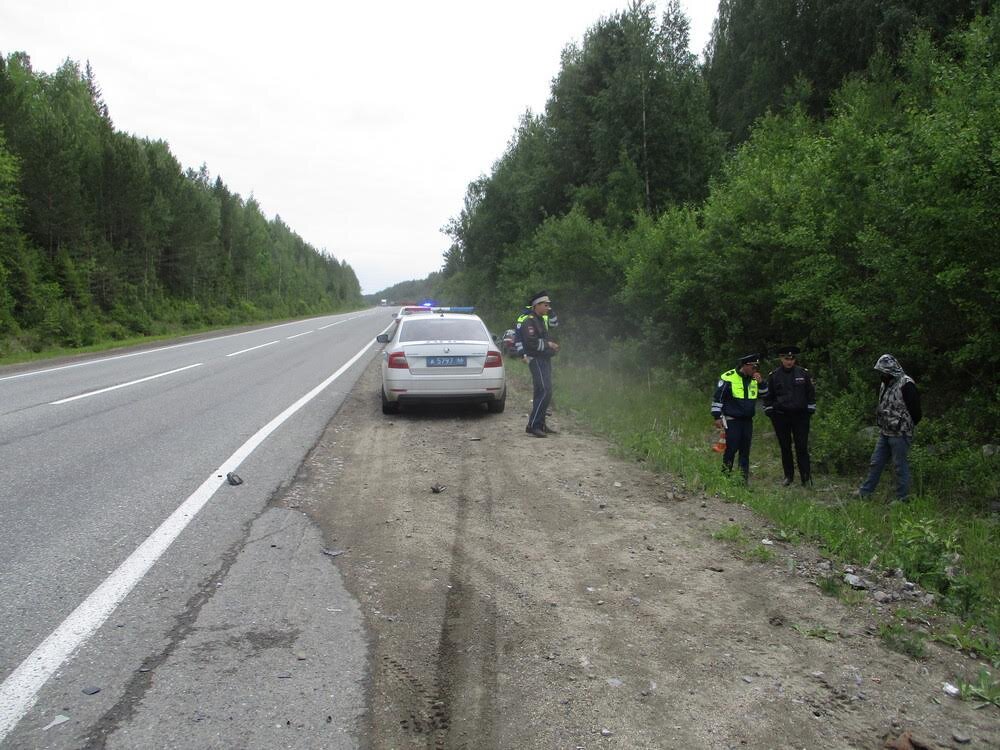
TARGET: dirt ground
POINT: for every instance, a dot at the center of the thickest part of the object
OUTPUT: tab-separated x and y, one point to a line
552	595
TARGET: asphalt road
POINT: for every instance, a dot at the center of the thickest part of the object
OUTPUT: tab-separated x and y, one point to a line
129	564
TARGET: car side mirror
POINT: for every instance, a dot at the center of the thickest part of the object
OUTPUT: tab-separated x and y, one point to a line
496	339
382	338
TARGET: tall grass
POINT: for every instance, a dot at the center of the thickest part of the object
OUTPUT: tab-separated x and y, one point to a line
947	547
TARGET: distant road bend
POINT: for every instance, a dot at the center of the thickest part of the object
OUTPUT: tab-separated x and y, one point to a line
117	513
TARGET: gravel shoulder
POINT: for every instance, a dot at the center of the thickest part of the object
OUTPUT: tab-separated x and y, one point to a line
553	595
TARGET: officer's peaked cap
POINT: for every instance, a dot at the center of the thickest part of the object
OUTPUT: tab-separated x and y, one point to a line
749	359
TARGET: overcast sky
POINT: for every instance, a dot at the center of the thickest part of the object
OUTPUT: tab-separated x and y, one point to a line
360	124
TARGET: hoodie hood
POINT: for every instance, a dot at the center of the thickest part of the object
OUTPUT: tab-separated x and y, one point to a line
887	365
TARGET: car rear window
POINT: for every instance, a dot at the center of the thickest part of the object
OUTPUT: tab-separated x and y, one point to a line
443	329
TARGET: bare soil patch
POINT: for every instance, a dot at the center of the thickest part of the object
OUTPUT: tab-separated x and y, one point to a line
553	595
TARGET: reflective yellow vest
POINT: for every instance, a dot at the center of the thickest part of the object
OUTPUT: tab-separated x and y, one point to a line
735	381
524	316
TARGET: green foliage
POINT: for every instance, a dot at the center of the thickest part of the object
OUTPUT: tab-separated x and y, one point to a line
836	444
767	54
903	640
731	533
925	550
985	689
103	235
966	638
830	585
760	553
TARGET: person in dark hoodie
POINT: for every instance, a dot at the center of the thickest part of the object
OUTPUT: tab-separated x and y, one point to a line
896	415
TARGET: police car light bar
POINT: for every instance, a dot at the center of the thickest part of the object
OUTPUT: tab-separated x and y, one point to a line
454	309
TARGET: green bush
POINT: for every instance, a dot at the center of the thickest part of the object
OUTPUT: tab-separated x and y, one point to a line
837	439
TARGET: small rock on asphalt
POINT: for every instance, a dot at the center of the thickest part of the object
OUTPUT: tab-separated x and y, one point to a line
91	690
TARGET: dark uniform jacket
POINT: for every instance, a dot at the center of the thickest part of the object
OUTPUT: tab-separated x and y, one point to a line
790	392
535	334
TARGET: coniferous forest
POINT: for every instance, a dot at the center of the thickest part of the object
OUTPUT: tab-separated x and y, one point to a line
104	236
828	176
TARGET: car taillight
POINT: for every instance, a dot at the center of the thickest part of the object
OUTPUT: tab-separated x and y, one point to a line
397	360
493	359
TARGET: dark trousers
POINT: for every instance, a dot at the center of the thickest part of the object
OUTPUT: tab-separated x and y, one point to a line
789	428
739	435
541	378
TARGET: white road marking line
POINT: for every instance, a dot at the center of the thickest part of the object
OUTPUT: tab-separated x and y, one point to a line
124	385
259	346
304	333
323	328
158	349
19	691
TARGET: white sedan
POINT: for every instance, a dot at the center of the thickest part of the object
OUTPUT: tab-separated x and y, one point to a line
441	357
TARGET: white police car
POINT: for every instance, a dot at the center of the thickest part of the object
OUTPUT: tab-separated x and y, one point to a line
440	356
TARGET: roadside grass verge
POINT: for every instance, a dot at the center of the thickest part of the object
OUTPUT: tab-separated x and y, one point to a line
947	548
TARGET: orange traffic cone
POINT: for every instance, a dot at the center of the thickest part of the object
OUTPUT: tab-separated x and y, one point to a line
720	444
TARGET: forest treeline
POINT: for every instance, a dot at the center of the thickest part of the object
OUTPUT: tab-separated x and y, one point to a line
104	235
828	176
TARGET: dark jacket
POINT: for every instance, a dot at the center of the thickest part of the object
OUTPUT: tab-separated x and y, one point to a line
535	335
725	403
790	392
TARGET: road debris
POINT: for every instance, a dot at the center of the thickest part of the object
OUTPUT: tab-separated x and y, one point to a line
60	719
234	479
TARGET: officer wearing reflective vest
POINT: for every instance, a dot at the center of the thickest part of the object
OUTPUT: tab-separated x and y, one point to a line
550	319
733	406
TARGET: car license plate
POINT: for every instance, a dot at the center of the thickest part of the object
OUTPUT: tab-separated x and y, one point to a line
446	361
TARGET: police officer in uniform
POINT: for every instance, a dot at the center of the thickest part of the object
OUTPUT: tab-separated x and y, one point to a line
790	403
539	350
733	406
550	319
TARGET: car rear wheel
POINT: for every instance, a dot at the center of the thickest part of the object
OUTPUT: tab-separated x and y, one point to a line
388	407
497	406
